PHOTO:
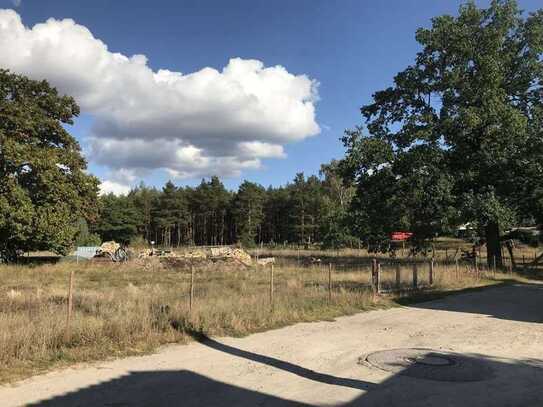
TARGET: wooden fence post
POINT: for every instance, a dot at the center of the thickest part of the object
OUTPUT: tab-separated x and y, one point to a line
373	271
271	287
329	282
378	278
415	276
431	272
191	293
398	276
457	271
68	332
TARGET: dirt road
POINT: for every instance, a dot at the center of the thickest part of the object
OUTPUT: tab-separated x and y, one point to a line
494	339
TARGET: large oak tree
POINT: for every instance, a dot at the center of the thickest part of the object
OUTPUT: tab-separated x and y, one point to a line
44	189
459	135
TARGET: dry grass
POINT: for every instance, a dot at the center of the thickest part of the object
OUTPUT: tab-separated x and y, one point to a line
125	309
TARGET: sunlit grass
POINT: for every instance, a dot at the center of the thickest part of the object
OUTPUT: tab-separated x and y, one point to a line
130	309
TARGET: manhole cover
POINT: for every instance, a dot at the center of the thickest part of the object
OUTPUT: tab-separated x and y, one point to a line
430	364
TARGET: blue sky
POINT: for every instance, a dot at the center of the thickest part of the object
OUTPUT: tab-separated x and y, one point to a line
352	48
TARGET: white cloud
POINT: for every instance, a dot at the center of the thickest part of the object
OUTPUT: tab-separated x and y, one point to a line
195	124
116	188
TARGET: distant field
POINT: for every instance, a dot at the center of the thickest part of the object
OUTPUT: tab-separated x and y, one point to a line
131	308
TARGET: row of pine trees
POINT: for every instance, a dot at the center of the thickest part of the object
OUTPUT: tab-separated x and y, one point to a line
305	211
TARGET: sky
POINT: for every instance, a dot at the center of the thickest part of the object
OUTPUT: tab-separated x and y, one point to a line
181	90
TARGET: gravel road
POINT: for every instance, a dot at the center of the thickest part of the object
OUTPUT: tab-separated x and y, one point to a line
498	331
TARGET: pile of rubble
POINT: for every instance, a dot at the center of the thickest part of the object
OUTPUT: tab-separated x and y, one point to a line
223	258
111	251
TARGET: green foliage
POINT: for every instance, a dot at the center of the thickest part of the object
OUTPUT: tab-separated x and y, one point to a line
44	188
248	212
118	219
84	237
457	138
308	210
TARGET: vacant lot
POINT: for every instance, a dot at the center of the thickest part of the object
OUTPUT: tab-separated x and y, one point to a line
496	329
131	309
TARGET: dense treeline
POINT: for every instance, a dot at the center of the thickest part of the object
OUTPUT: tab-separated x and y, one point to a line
456	139
307	210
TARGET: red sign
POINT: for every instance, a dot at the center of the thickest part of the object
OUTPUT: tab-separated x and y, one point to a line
401	235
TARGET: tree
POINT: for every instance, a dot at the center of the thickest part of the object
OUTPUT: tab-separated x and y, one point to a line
118	219
84	237
171	214
144	199
458	136
247	211
44	189
335	221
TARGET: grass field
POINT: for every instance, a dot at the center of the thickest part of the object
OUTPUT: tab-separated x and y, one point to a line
129	309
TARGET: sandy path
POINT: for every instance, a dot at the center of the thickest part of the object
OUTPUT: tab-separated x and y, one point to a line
316	363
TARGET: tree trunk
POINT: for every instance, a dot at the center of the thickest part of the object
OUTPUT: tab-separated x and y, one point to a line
493	245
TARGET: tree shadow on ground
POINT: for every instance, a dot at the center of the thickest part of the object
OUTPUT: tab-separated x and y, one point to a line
285	366
510	301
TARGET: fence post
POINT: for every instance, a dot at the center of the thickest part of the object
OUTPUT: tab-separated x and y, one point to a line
398	276
494	265
378	278
415	276
330	282
457	268
374	275
68	333
431	272
191	293
523	263
271	287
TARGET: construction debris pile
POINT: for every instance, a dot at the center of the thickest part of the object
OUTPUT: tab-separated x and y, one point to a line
223	258
111	251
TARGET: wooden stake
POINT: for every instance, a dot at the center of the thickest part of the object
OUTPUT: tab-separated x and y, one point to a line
68	333
191	294
431	272
330	282
271	288
378	278
456	268
373	273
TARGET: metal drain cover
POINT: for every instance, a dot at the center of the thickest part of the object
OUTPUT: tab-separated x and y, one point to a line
431	365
